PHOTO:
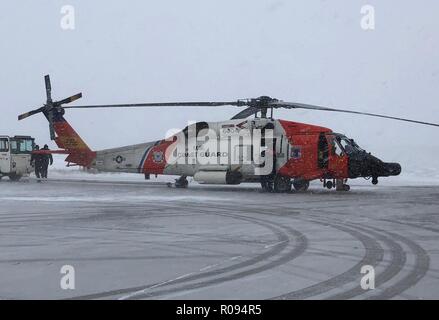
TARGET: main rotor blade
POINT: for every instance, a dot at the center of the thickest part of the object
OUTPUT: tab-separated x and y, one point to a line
293	105
48	88
52	131
162	104
51	128
70	99
30	113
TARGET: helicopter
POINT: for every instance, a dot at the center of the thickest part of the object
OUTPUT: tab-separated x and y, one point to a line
278	154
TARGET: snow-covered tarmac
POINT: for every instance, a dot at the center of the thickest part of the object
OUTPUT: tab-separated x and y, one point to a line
143	240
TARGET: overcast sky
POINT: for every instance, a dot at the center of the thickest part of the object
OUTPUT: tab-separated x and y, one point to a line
312	51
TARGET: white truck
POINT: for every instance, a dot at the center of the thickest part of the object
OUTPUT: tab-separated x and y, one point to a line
15	156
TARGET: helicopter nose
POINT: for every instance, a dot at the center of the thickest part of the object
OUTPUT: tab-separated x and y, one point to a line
366	165
392	169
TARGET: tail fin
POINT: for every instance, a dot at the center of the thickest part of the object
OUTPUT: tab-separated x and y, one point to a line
67	138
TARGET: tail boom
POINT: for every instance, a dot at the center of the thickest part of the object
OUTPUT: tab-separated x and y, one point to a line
67	139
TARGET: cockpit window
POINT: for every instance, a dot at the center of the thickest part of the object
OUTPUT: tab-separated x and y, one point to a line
348	145
343	145
338	150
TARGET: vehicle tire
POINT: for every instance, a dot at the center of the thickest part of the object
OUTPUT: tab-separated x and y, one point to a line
181	182
300	184
282	184
267	184
15	177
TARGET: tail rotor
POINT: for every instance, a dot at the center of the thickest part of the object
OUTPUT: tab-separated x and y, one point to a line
50	108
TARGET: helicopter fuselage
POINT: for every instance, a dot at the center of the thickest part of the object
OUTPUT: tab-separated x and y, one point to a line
252	150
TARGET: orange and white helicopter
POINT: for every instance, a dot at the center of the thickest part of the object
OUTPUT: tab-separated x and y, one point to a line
278	154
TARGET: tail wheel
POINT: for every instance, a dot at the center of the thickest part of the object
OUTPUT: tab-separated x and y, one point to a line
15	177
282	184
300	184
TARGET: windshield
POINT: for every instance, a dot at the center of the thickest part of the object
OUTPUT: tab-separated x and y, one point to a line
348	145
343	145
21	145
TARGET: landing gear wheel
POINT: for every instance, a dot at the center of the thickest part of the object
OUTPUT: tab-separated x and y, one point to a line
282	184
181	182
341	185
267	185
300	184
15	177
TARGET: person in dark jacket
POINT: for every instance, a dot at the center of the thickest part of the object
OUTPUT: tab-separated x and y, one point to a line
36	162
46	159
